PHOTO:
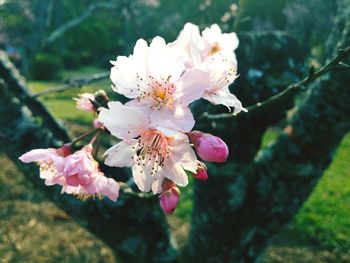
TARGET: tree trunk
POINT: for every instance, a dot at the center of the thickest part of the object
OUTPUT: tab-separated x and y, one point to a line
240	208
134	227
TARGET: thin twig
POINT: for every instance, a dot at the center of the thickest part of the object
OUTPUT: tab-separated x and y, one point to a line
85	135
98	143
75	83
342	54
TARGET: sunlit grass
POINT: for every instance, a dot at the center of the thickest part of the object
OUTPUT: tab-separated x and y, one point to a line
325	217
324	220
61	104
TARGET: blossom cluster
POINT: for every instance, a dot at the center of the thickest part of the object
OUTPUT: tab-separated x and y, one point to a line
154	128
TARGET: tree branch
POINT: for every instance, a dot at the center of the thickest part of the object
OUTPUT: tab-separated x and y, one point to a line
74	83
18	86
336	61
58	32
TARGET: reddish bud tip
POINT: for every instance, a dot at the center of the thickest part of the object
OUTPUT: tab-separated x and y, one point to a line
65	150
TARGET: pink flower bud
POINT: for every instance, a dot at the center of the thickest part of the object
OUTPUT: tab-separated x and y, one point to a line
84	102
209	147
97	124
201	174
170	196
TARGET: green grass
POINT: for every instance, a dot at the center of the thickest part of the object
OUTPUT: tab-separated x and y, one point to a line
325	217
323	221
62	104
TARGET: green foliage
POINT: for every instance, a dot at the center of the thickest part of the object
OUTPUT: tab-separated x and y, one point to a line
46	67
71	60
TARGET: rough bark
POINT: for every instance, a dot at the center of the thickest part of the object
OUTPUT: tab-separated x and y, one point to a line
134	227
239	209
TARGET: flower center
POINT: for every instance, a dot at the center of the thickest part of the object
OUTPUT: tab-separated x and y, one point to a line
47	165
152	149
215	48
160	92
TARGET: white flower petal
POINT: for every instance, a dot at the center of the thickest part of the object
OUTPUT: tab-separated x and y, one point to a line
167	132
222	69
123	121
143	177
191	86
188	42
180	118
129	74
157	184
120	155
183	154
212	33
164	61
224	97
176	173
229	41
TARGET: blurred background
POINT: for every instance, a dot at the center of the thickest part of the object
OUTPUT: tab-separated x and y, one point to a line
57	40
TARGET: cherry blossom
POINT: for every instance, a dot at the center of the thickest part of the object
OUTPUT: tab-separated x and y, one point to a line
222	70
214	41
188	43
50	161
154	78
219	62
77	173
153	152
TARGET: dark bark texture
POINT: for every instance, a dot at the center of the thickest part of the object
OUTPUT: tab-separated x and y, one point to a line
251	199
134	227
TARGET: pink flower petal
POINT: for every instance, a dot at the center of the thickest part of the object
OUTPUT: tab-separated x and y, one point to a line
38	155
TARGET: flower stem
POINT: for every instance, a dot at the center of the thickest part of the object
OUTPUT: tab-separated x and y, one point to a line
85	135
97	139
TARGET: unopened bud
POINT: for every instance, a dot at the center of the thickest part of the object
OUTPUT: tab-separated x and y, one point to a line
170	196
209	147
97	124
201	172
85	102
